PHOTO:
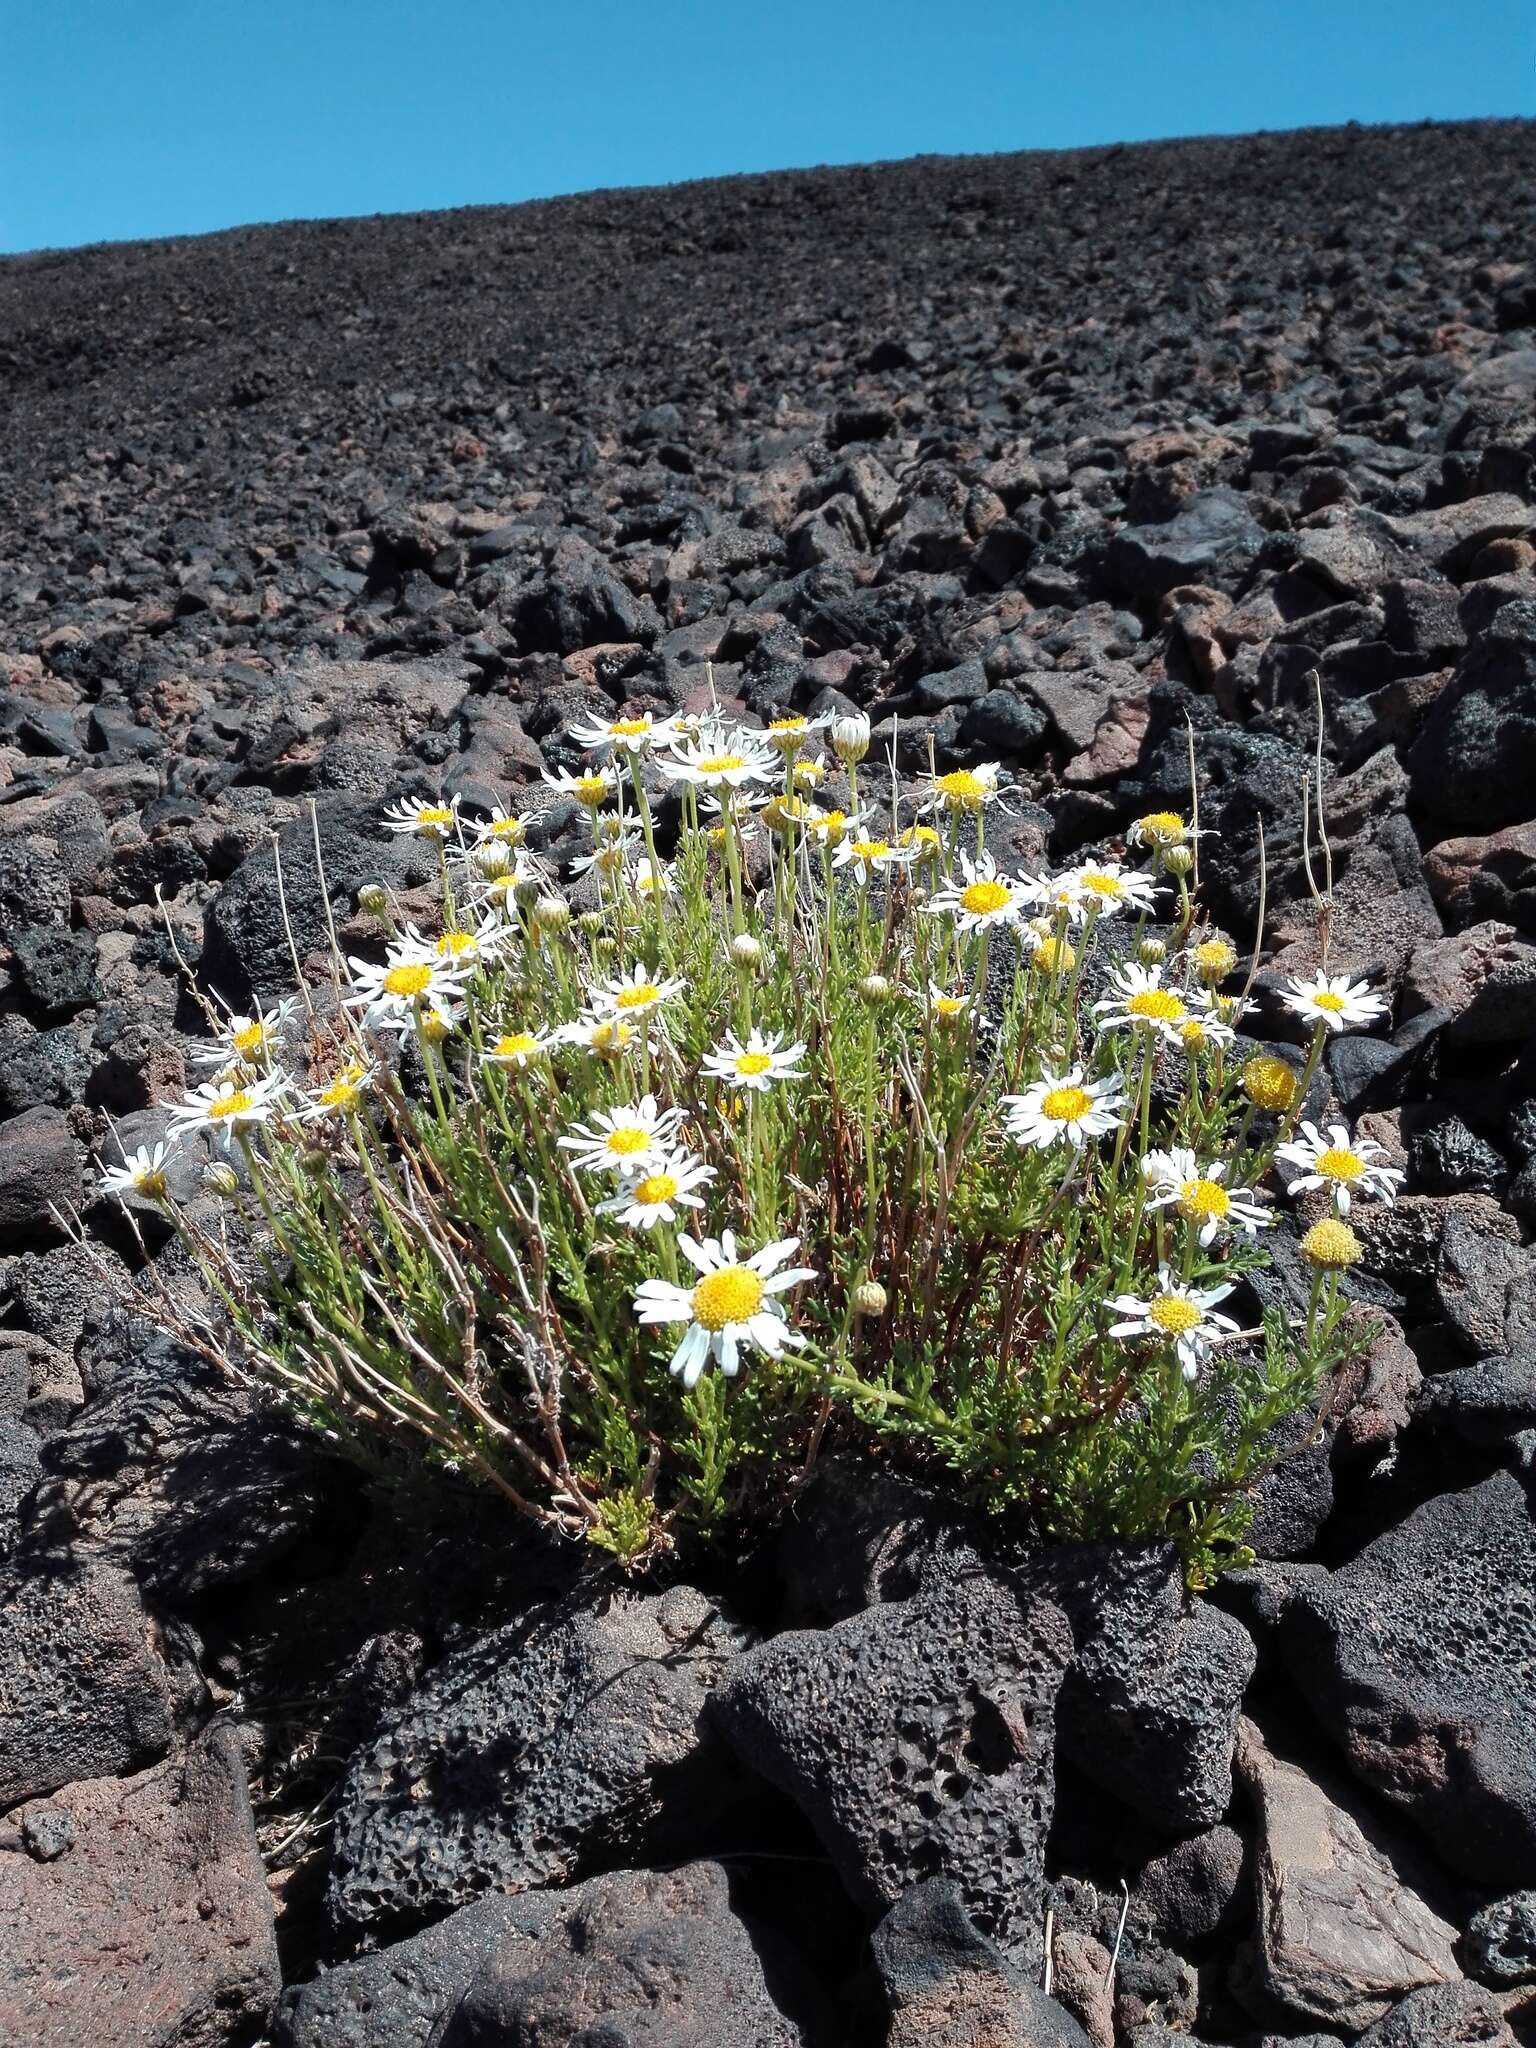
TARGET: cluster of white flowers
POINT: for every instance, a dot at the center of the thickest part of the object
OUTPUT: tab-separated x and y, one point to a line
650	1155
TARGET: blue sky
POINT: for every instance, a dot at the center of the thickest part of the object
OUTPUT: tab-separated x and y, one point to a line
129	118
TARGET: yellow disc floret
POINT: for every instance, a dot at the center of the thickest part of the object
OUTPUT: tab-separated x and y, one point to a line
1215	959
454	945
1331	1245
235	1104
655	1189
1157	1005
1056	956
249	1039
1200	1200
1269	1083
961	790
1065	1105
1161	828
984	899
625	1140
636	996
731	1294
721	764
629	728
749	1063
513	1045
1328	999
409	978
1337	1163
1173	1315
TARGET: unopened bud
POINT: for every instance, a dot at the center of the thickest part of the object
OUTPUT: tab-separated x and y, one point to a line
870	1298
850	737
745	951
1151	952
1178	860
372	900
875	990
551	913
221	1180
592	920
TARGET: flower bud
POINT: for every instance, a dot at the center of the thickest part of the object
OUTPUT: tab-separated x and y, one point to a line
1270	1083
221	1180
850	738
870	1298
1151	952
592	920
372	900
551	913
745	951
1332	1246
1179	860
875	990
1215	960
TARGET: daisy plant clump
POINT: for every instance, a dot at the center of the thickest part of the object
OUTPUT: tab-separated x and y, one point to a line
784	1114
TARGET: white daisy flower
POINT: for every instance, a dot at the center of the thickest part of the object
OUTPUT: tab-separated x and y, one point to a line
631	735
1178	1180
435	820
649	881
457	944
962	790
518	1048
438	1019
809	772
870	857
719	760
757	1064
247	1041
609	856
1333	1000
730	1305
1180	1314
657	1196
1059	896
1139	1002
607	1037
789	734
1106	887
228	1106
501	828
632	995
338	1096
1064	1106
409	977
1160	830
592	787
1344	1165
945	1006
630	1140
142	1173
983	899
830	828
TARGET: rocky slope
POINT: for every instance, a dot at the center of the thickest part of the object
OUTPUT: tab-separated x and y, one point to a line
1041	456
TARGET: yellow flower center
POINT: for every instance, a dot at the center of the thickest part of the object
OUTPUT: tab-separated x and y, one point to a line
629	728
1158	1005
151	1185
344	1090
1325	999
1173	1315
949	1006
236	1103
251	1038
749	1063
1192	1034
984	899
829	826
1097	883
1200	1200
640	996
721	764
1331	1244
731	1294
625	1140
1215	958
435	1027
454	945
591	788
609	859
432	815
1064	1105
1269	1083
516	1045
1163	828
655	1189
923	837
409	978
807	774
794	724
870	849
961	790
610	1037
1055	956
510	829
1335	1163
